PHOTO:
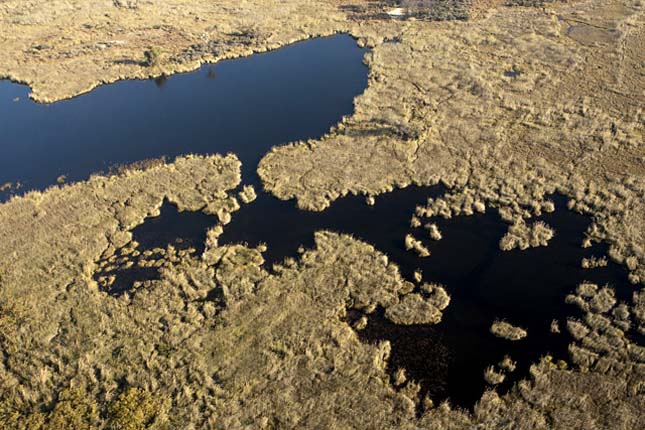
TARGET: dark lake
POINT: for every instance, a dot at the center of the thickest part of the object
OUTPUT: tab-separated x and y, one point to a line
246	106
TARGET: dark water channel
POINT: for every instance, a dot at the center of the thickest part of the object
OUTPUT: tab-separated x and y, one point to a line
244	106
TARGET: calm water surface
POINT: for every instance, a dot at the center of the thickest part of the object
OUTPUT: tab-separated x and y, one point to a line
244	106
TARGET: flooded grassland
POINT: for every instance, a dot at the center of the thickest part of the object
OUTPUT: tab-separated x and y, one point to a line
504	109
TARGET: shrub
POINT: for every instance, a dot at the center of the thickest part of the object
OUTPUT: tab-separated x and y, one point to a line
135	409
152	56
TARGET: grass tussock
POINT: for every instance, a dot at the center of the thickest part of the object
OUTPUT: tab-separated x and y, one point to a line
493	376
594	262
523	236
433	231
417	246
424	308
507	364
247	195
601	342
507	331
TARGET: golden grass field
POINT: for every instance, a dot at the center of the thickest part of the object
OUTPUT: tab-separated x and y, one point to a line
504	108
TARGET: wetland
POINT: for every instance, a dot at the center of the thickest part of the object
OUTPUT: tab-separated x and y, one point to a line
484	282
424	222
244	106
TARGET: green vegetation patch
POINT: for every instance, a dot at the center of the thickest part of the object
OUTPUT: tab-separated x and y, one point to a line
438	10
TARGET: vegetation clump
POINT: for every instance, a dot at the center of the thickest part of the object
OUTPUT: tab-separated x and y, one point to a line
433	231
416	308
74	410
247	195
493	376
413	244
436	295
126	4
522	236
152	56
437	10
413	309
507	331
508	364
134	409
452	204
594	262
601	341
531	3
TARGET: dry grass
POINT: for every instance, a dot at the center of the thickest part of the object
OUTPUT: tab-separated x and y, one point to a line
439	108
594	262
508	331
507	364
247	195
273	350
433	231
413	244
523	236
425	308
493	376
55	311
65	48
218	342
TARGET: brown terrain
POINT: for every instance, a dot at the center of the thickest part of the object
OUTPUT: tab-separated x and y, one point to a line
522	99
